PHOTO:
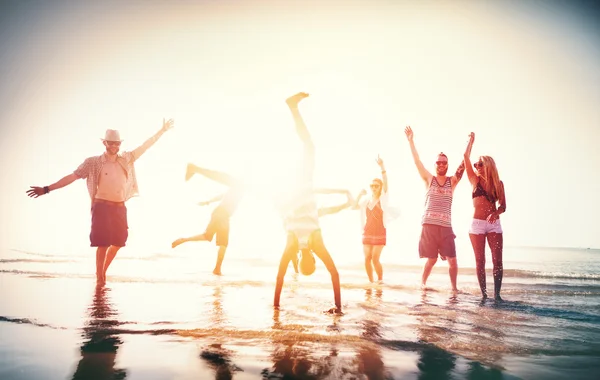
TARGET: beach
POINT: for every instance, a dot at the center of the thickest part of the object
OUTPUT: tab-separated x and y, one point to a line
189	324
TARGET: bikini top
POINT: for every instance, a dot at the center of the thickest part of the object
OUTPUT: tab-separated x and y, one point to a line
480	192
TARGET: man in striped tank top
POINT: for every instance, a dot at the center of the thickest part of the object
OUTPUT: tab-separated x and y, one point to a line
301	217
437	237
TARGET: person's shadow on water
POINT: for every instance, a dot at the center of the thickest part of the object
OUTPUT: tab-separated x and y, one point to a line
101	341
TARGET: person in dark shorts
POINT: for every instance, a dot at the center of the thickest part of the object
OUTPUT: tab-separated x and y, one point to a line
111	181
219	220
437	236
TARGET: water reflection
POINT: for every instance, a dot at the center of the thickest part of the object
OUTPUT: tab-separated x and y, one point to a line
216	356
101	342
370	362
295	359
434	362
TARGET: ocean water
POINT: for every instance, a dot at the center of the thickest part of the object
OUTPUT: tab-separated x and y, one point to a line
163	314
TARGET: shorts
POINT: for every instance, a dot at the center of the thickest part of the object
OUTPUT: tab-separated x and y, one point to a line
437	240
304	239
109	224
219	225
483	227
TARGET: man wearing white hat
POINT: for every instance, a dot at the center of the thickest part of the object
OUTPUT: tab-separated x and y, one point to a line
111	181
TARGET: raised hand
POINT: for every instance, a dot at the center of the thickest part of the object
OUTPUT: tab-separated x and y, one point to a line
167	124
471	138
203	203
409	133
362	192
35	191
379	161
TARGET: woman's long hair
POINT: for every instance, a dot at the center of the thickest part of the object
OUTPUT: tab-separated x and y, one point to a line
492	186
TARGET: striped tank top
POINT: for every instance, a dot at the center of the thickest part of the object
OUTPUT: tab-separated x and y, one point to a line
438	203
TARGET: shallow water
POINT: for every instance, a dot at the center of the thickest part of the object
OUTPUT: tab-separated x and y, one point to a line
183	322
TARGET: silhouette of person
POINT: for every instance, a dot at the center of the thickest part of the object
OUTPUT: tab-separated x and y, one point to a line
101	342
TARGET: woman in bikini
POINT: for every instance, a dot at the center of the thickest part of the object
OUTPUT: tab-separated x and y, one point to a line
373	222
488	191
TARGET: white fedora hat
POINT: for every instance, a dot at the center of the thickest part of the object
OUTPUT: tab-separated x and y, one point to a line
112	135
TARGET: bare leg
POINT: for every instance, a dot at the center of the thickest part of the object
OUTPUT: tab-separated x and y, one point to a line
291	249
318	247
377	249
301	129
295	263
368	251
496	242
201	237
220	257
453	272
110	256
220	177
100	257
478	243
427	270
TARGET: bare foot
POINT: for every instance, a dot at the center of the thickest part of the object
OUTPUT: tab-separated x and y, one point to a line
217	272
189	172
177	242
293	100
334	310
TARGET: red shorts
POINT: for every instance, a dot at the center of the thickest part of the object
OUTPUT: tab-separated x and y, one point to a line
109	225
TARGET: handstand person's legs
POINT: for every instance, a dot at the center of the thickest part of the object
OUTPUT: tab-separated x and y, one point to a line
217	176
301	129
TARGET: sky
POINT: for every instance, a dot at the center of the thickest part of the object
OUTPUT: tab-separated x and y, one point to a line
524	76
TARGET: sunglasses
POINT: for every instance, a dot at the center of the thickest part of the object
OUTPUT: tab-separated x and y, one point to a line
374	186
439	163
478	164
115	143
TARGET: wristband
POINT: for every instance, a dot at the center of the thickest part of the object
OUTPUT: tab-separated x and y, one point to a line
46	189
383	172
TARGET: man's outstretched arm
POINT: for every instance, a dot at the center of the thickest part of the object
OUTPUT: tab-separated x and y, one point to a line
36	191
137	152
424	173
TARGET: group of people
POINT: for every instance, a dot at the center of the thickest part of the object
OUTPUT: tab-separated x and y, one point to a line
111	181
